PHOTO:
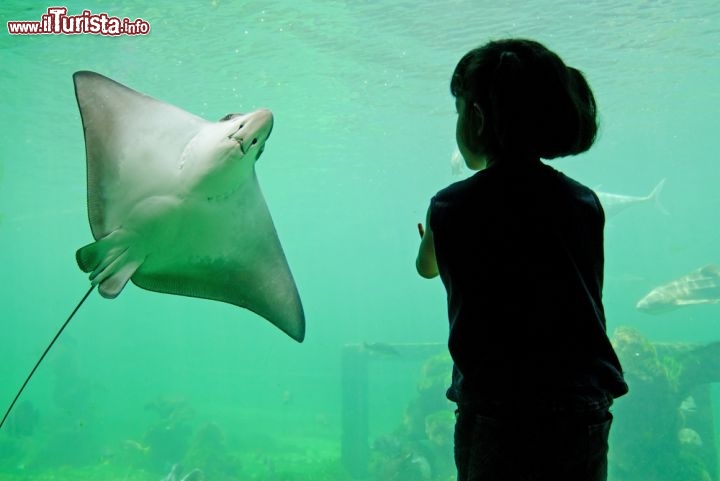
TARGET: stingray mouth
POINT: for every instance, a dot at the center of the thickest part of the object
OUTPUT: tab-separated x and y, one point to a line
244	145
252	130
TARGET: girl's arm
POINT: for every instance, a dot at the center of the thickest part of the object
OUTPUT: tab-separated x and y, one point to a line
426	264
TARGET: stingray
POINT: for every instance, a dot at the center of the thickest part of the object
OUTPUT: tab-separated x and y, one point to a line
175	206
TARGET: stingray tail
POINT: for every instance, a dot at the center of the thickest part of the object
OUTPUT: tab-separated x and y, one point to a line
37	364
109	264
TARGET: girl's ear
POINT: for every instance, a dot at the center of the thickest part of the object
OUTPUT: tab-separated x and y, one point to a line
480	116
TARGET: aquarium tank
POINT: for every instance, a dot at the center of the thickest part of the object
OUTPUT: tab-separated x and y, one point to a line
359	133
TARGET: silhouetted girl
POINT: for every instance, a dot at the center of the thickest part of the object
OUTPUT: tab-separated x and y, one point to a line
519	248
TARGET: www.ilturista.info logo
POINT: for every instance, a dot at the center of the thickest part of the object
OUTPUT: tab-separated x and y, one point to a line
56	21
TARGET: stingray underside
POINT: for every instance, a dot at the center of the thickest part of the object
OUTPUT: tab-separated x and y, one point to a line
228	250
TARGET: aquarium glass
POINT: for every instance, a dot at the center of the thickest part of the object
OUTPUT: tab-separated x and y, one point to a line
150	386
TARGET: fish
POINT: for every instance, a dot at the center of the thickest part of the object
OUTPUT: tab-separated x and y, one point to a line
701	286
457	163
688	405
615	203
132	445
690	437
175	206
379	349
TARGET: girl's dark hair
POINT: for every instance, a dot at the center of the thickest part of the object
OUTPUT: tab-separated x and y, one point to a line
533	105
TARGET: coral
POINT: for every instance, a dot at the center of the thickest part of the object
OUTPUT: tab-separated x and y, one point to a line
660	425
420	447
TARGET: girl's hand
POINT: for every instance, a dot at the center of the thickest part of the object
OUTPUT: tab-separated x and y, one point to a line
426	264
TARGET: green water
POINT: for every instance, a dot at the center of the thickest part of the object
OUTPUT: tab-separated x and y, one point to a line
364	132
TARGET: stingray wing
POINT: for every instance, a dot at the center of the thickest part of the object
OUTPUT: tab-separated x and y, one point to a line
133	144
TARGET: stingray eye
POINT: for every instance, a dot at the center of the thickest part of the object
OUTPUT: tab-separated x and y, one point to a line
229	117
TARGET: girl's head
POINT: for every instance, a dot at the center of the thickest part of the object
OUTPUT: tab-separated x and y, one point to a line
517	100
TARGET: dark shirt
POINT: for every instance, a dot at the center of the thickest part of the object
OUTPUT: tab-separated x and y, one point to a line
520	252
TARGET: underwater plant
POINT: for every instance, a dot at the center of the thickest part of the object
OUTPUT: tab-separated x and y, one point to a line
209	452
663	429
420	447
